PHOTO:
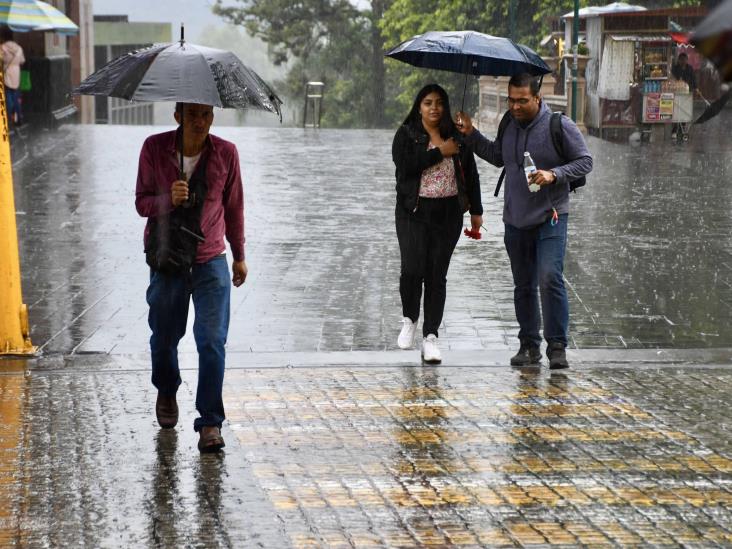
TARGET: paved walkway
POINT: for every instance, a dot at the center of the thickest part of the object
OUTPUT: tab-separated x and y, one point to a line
334	437
649	261
369	456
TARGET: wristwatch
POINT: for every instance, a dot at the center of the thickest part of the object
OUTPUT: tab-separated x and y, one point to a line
554	174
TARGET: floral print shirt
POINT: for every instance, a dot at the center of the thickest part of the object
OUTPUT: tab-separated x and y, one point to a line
438	181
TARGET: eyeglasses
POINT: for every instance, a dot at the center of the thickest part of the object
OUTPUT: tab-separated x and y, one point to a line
523	101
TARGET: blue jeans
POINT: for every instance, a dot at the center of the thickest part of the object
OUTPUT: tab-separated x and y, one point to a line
169	296
12	104
537	260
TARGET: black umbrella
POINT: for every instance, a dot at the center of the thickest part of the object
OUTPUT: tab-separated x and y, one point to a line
714	108
186	73
469	52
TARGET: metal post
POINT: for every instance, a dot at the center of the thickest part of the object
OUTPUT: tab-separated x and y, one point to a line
14	328
512	19
575	47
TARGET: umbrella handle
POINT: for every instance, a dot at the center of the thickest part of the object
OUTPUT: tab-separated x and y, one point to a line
182	172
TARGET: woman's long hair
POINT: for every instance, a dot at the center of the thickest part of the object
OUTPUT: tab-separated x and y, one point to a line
414	119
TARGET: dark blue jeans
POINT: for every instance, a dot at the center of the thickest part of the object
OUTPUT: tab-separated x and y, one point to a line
169	296
537	261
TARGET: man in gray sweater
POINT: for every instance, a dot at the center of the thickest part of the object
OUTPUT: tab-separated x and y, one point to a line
536	216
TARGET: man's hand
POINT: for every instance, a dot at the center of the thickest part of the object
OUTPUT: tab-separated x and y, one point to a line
449	148
476	222
464	123
542	177
239	268
179	192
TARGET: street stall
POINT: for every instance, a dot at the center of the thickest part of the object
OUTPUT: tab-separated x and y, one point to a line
665	100
629	81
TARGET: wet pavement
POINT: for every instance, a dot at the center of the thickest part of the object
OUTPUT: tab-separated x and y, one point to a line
649	261
334	437
369	456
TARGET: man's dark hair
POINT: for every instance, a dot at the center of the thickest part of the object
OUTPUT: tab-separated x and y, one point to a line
179	107
525	80
5	34
447	126
683	56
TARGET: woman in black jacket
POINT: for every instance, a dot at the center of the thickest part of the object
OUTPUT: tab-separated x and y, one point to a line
436	182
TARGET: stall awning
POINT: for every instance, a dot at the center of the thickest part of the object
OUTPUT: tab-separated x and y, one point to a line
641	37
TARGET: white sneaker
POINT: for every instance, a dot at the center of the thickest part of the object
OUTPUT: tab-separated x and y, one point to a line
431	350
406	336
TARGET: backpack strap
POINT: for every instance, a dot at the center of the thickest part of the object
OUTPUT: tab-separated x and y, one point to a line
555	128
505	120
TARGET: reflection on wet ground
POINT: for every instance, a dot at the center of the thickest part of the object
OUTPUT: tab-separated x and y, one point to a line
371	457
476	458
649	263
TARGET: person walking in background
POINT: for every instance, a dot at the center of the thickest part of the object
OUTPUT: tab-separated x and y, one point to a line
535	218
436	182
187	219
13	58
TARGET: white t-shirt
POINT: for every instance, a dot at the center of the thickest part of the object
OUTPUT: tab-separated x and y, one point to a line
189	165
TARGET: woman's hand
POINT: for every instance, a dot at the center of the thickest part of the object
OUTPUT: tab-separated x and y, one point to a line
464	123
476	222
449	148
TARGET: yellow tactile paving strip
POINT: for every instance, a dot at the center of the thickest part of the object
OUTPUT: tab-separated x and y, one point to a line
389	457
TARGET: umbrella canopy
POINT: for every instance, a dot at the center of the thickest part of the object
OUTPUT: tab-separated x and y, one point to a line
615	7
183	72
35	15
713	38
469	52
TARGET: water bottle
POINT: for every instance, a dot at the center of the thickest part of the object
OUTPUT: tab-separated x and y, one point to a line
529	168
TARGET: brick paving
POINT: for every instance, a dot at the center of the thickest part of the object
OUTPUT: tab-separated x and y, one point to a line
474	458
359	456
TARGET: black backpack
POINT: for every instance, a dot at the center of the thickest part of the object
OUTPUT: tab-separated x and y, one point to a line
555	127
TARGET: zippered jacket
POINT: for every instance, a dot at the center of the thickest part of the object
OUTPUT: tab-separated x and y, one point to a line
411	157
522	208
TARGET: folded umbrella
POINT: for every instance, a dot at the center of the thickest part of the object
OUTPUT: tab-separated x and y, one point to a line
35	15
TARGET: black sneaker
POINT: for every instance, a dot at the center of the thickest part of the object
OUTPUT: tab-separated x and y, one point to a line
557	356
527	354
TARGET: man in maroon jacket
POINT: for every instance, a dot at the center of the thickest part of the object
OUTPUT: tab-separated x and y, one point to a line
211	165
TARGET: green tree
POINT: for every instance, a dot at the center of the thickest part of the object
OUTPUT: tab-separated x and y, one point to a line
328	40
534	19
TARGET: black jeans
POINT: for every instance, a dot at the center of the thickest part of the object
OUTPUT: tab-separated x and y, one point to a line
427	239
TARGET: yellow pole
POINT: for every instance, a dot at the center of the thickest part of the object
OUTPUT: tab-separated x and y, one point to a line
14	330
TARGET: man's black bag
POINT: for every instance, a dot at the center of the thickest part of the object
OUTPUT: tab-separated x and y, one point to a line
555	127
174	237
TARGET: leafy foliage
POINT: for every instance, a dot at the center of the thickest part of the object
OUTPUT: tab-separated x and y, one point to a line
325	40
335	42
